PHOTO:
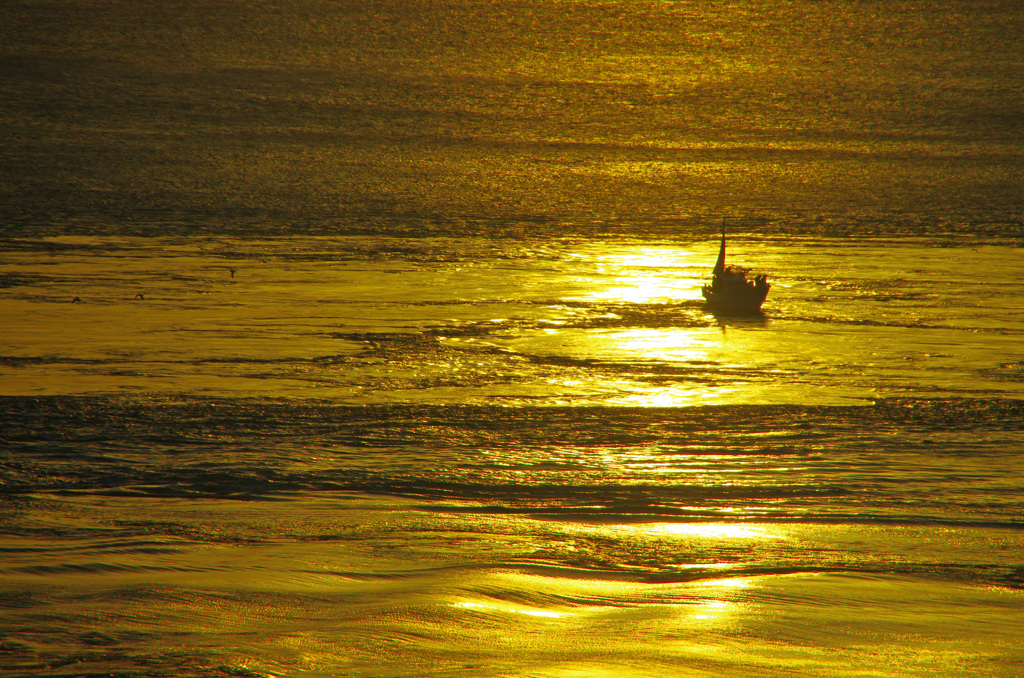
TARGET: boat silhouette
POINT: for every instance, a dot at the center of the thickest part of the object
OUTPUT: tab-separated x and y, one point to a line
730	291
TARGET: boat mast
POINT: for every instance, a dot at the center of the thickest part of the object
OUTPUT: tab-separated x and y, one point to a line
720	264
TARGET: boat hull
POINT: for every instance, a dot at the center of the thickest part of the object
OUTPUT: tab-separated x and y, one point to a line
741	300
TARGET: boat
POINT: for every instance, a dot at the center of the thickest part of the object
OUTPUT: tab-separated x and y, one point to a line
730	291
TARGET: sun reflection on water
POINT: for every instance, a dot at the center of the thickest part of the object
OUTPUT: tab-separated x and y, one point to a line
651	345
647	274
653	329
719	600
714	530
510	609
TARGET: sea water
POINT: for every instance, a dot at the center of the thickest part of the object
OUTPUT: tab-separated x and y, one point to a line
366	339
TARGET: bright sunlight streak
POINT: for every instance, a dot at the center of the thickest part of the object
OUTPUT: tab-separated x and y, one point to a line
714	530
647	275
